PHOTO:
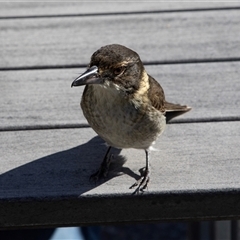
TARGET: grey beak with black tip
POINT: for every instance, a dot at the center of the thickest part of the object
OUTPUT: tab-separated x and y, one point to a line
91	76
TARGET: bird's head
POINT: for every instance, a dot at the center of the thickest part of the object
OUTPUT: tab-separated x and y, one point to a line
113	66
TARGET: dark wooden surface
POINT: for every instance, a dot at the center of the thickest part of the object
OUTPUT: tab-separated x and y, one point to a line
47	149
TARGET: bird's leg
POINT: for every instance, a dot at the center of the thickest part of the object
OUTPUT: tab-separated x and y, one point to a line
142	183
103	170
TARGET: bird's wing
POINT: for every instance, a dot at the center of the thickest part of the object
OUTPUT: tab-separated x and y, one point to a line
173	110
157	98
156	94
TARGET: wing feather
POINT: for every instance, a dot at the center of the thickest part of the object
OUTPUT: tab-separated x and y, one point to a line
157	98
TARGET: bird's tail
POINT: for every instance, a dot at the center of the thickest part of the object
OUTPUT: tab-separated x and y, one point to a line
173	110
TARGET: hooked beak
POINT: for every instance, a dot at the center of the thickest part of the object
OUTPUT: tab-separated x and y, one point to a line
90	76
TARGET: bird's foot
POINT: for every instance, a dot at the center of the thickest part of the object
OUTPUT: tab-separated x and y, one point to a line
142	183
102	172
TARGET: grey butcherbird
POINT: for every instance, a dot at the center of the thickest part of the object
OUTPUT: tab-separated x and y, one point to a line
123	104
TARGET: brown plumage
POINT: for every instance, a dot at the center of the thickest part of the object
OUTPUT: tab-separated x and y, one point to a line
123	104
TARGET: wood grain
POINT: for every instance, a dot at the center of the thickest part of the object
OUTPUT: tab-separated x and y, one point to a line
53	166
44	174
44	97
156	37
39	8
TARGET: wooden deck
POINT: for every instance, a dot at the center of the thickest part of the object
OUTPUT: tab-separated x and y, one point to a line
47	149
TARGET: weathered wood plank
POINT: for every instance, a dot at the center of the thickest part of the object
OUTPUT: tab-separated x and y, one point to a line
44	97
38	8
44	174
156	37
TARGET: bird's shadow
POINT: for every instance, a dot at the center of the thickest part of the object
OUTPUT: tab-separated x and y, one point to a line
64	173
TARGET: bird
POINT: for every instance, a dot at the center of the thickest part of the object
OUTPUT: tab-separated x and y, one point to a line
124	105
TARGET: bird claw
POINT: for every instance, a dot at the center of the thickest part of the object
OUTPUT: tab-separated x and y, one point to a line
142	183
102	172
99	174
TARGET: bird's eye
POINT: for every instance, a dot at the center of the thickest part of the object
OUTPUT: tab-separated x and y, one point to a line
118	70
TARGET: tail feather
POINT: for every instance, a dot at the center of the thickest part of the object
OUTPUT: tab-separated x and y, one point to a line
174	110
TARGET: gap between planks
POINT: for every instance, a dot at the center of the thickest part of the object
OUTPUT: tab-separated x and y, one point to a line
148	63
123	13
86	125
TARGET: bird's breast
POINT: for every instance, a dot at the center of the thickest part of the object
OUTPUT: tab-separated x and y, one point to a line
121	121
